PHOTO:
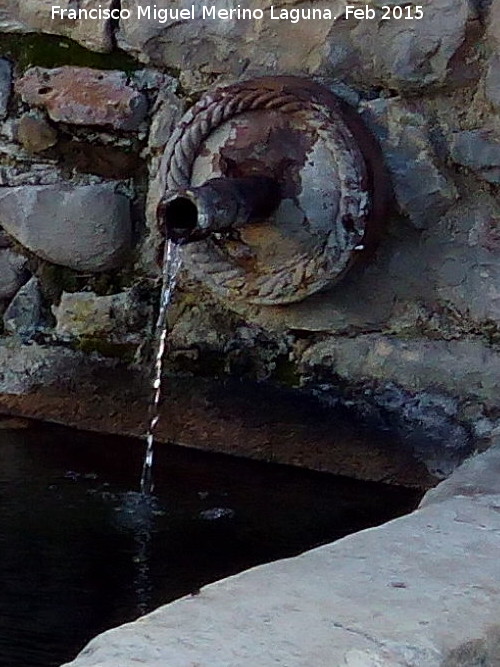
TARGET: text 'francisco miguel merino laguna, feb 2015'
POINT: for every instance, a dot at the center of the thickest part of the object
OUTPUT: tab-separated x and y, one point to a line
204	12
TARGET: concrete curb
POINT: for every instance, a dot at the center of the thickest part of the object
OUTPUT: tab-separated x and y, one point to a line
419	591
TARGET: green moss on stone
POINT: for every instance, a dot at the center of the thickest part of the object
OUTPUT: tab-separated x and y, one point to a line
56	279
208	364
105	284
53	51
285	372
123	351
492	332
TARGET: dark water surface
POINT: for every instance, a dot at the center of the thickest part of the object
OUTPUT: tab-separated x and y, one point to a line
81	552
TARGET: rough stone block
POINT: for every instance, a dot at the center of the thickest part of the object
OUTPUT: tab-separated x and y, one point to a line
5	86
478	476
86	228
479	151
166	113
423	191
204	46
492	82
9	17
35	16
116	318
24	315
23	368
84	96
12	272
400	53
493	26
466	269
35	134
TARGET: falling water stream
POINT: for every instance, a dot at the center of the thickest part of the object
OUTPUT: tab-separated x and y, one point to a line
171	266
140	509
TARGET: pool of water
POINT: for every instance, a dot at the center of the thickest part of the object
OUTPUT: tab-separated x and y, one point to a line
80	550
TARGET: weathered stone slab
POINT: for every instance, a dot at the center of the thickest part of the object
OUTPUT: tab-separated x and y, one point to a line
400	53
25	367
86	228
394	389
35	16
420	591
84	96
478	476
466	368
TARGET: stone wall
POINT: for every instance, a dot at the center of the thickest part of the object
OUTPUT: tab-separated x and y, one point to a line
409	343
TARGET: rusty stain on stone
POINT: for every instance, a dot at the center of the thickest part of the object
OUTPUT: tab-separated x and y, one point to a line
257	147
84	96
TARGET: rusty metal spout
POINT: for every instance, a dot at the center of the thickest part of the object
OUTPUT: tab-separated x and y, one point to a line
219	205
242	140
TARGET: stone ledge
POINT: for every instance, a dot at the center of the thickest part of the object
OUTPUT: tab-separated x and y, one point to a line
420	591
253	420
467	368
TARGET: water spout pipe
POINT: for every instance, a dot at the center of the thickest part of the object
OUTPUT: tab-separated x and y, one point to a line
219	205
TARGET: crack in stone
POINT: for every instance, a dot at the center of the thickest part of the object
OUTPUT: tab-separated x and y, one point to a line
114	24
359	633
405	654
